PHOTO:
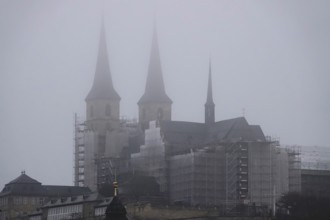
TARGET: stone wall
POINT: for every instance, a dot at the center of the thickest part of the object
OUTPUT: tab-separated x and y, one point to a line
147	211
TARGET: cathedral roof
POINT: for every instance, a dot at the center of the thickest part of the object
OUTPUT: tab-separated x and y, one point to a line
190	134
102	86
259	134
236	129
155	89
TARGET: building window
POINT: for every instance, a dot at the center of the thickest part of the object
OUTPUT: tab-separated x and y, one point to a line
143	113
107	110
18	200
4	201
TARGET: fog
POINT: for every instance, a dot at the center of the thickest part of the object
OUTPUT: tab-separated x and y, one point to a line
270	62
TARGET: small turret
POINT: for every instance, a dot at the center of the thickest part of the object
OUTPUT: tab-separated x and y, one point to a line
115	210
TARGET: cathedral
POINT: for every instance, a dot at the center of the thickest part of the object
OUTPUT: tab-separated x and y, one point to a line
213	163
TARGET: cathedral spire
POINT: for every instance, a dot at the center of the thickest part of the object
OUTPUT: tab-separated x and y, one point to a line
155	89
154	104
209	105
102	86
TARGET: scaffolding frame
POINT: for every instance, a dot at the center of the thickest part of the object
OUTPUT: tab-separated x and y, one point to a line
79	151
236	174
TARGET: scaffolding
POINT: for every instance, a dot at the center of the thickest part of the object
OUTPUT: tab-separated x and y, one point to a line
151	159
294	157
236	171
105	171
79	151
95	155
196	178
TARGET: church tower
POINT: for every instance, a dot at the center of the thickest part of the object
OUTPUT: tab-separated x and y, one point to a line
209	105
154	104
102	136
102	101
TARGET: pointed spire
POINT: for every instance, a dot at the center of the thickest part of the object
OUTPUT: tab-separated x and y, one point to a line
102	86
209	99
209	105
155	89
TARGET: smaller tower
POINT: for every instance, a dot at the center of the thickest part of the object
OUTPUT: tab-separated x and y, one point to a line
209	105
115	210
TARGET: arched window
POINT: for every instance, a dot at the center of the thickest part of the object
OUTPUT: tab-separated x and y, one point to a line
91	112
160	114
107	110
143	113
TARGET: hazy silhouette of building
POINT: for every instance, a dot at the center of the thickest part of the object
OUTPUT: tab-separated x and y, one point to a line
154	103
212	163
103	134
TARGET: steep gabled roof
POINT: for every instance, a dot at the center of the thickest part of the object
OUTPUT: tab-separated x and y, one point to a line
182	132
259	134
155	89
102	86
182	127
236	129
190	134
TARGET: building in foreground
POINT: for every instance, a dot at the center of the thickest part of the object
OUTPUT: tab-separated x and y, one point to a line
89	206
315	182
315	171
24	195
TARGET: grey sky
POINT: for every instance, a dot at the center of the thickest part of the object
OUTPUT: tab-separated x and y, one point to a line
271	58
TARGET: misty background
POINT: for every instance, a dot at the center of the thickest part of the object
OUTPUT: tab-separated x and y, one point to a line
270	58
